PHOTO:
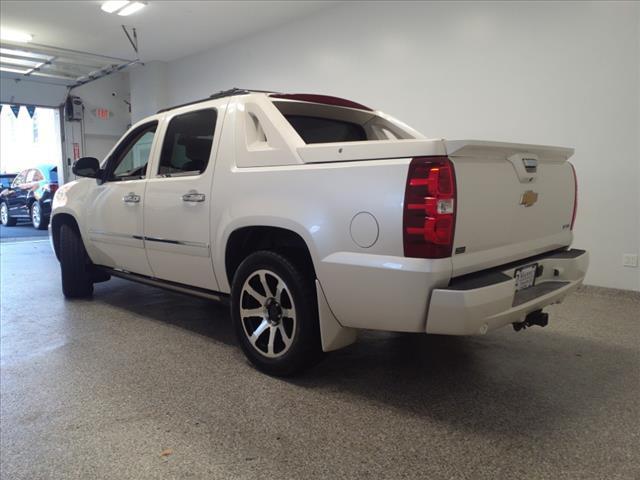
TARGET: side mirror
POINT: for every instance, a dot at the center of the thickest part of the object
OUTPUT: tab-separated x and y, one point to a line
86	167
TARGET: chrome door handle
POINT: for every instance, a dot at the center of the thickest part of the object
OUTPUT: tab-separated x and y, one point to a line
131	198
193	197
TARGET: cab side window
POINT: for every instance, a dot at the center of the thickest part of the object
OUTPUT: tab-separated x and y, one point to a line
187	143
31	176
129	161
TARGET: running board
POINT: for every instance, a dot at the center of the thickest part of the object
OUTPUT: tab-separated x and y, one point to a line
167	285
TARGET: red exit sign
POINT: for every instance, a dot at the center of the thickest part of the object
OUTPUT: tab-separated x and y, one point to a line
102	113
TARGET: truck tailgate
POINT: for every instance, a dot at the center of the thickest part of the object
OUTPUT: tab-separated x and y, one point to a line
513	201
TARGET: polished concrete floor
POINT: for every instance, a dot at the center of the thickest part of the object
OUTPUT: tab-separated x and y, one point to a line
143	384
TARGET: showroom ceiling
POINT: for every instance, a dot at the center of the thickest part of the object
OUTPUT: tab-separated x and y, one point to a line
166	30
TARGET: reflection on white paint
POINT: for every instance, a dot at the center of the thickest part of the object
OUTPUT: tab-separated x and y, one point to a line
395	266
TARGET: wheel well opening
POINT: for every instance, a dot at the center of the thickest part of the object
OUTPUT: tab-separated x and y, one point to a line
56	224
245	241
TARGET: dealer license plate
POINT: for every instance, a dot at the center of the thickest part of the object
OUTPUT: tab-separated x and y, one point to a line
525	276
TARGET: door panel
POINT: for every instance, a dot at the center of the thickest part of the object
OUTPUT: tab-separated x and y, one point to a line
115	225
178	201
177	232
115	208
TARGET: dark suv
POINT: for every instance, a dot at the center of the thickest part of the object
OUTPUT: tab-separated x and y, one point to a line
30	196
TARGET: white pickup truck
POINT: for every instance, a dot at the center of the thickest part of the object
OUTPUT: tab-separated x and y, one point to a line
316	217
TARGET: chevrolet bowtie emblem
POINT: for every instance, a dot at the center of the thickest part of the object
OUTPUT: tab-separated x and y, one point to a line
529	198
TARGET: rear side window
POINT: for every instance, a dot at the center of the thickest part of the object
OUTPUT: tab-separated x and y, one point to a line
187	143
326	130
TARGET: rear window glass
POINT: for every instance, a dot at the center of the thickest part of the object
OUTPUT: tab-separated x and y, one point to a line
326	130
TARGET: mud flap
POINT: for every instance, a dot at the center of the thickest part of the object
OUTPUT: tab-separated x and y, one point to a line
334	336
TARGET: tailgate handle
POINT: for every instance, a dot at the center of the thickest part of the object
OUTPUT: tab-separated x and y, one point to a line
530	164
526	166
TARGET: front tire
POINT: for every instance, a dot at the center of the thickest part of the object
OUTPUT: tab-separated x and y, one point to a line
38	221
275	314
74	265
5	217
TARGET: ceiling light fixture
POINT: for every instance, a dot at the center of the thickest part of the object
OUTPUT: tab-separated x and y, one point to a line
113	5
14	36
132	8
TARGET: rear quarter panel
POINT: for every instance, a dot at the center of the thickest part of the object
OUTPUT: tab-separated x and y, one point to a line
366	286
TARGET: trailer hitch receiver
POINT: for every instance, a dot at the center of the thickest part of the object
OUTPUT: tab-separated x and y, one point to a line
534	318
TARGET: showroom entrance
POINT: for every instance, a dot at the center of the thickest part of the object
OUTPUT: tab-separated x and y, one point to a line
30	167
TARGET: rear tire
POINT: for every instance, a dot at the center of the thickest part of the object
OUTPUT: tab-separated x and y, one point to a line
75	265
37	220
276	325
5	217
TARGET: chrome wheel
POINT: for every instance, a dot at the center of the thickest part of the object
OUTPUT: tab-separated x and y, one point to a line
4	214
35	215
267	313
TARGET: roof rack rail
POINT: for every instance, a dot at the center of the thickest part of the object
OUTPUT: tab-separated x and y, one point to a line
221	94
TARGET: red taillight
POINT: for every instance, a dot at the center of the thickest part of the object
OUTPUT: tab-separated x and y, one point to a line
575	195
429	208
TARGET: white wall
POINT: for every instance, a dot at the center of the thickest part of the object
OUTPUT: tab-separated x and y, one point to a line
100	135
149	88
563	73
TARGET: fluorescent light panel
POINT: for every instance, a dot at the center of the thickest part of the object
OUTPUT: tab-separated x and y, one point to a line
113	5
14	36
133	8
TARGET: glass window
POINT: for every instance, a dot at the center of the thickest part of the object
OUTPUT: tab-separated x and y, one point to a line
20	179
132	156
37	176
31	176
326	130
187	143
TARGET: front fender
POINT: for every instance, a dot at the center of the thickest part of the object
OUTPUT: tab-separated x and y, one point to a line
70	199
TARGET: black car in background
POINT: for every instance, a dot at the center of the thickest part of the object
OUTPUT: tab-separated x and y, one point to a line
29	196
6	179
